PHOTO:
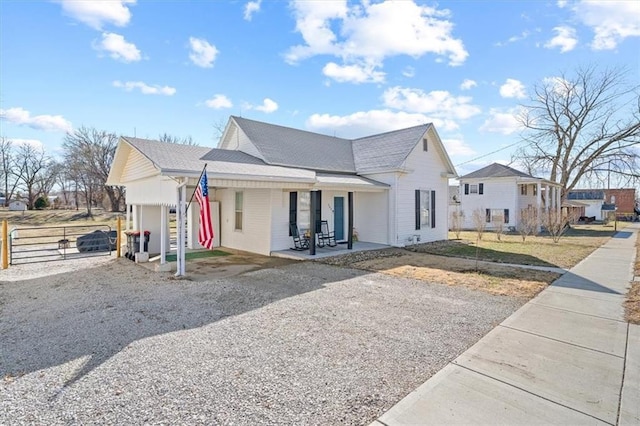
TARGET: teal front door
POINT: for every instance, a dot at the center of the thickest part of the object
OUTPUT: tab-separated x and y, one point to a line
338	217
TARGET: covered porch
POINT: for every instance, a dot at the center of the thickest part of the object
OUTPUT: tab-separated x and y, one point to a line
322	252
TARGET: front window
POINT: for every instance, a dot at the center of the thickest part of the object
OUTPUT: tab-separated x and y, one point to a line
473	189
239	202
425	208
304	211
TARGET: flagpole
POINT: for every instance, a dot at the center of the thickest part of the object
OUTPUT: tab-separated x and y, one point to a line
204	169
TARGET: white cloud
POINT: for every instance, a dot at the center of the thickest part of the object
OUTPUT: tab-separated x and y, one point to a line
365	123
22	117
353	73
144	88
202	52
468	84
250	8
35	143
561	3
98	13
409	72
370	32
611	21
268	106
513	89
457	147
439	103
504	122
218	102
118	48
565	39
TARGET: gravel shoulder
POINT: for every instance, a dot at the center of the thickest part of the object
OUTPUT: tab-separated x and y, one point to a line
302	343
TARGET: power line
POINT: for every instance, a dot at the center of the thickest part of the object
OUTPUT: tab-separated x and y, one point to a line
488	154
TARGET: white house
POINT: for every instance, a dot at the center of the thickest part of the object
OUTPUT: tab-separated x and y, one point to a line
501	192
390	188
592	199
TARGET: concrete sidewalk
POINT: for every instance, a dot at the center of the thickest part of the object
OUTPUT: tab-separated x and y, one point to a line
565	357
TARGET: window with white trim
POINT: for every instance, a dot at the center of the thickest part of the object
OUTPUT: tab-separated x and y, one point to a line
304	211
238	210
425	208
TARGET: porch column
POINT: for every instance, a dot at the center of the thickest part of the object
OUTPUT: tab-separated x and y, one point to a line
163	235
350	221
127	226
312	222
539	204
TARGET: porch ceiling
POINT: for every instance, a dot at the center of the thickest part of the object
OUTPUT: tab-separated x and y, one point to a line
359	183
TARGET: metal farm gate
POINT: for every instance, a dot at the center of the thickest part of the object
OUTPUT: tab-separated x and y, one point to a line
55	243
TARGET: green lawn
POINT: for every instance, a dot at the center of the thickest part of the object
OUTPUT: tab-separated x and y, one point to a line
199	255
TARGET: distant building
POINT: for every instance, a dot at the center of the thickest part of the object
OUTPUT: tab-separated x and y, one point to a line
17	206
624	199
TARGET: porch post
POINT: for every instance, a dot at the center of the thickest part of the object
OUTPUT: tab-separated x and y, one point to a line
312	222
163	235
350	221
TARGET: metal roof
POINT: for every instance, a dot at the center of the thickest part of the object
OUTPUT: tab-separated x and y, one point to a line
585	194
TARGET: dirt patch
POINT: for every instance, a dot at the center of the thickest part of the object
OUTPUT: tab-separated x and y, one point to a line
491	278
236	263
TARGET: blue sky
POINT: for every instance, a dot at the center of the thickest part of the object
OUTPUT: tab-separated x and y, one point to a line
343	68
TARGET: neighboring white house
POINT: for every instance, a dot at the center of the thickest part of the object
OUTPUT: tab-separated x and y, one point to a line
17	206
501	193
592	199
390	188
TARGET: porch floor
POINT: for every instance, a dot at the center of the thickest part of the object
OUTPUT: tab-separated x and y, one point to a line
321	252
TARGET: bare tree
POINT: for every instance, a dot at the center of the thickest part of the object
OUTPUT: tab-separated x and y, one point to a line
32	171
528	224
7	169
555	223
165	137
219	127
497	223
88	154
479	219
457	220
582	126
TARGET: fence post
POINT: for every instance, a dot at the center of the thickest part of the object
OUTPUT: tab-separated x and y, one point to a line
5	245
118	242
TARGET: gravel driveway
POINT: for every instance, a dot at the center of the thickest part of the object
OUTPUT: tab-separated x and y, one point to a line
303	343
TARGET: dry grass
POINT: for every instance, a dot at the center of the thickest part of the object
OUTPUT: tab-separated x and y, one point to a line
632	304
57	217
491	278
578	243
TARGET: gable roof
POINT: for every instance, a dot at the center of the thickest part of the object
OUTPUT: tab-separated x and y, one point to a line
496	170
170	156
386	150
285	146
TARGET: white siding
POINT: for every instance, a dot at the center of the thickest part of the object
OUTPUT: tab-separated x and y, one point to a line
371	213
158	190
255	235
390	179
238	141
280	239
499	193
137	167
426	173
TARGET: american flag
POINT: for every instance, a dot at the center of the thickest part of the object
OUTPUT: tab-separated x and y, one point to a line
205	234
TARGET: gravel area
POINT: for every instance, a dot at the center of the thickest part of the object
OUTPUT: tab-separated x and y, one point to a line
304	343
